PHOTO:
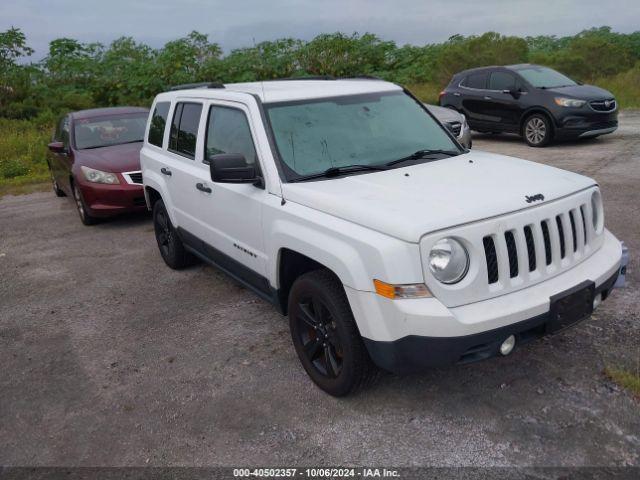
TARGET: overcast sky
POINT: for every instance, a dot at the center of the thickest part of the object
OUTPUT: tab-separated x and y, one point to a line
238	23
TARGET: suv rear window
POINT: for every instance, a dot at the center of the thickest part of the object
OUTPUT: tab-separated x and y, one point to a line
475	80
184	129
158	122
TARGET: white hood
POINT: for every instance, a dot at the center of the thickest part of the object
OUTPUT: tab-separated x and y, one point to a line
409	202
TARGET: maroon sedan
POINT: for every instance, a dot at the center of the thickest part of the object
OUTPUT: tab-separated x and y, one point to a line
94	158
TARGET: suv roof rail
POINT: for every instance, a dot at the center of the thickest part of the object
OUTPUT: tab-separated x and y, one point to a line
363	77
309	77
187	86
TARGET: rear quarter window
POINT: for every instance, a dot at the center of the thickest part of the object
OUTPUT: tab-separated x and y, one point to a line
158	123
475	80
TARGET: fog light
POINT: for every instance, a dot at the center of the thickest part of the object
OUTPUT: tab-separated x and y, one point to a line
597	300
507	346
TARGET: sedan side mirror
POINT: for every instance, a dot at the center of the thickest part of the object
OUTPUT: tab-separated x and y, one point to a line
231	168
56	147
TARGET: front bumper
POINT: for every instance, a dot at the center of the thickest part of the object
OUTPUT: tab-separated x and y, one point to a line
591	124
414	334
104	200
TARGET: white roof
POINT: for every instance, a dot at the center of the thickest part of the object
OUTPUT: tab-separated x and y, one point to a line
291	90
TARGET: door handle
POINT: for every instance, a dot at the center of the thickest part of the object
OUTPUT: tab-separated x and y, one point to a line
487	97
203	188
456	94
165	171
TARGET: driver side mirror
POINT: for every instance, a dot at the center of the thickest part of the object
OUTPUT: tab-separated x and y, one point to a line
513	92
232	168
56	147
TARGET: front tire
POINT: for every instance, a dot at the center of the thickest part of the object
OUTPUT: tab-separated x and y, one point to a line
171	247
85	217
326	337
537	130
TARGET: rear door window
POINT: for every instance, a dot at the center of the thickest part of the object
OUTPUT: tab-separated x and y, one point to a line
184	129
158	123
476	80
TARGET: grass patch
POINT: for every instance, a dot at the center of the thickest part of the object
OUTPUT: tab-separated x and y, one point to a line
426	92
625	378
625	86
23	149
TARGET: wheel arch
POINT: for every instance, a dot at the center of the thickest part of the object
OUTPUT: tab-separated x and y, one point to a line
533	110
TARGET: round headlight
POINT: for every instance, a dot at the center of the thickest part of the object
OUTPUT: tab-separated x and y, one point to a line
448	260
596	211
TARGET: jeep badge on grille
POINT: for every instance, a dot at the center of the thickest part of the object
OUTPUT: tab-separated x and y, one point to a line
534	198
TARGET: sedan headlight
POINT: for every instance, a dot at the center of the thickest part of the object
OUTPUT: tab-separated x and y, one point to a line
569	102
98	176
448	260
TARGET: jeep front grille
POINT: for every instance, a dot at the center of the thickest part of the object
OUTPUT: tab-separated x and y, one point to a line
516	250
558	235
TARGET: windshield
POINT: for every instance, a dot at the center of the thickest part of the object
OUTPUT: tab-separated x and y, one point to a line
373	129
110	130
543	77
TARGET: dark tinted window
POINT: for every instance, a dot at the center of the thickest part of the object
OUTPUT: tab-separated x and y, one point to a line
184	129
475	80
228	132
158	122
502	81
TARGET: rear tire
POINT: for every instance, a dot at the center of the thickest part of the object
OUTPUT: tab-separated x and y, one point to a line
537	130
85	217
171	247
326	337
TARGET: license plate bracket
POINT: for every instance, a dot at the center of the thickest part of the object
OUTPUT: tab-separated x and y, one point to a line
571	306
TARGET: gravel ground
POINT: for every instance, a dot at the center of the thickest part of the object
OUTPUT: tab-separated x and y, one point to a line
110	358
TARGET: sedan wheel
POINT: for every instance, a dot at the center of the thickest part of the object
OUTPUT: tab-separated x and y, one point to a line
85	217
537	131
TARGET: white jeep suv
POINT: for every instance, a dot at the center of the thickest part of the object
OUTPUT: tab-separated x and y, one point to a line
351	209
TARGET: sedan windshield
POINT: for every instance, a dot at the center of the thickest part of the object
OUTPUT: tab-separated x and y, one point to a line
110	130
543	77
314	136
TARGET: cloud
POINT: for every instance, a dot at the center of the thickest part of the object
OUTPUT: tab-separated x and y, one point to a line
242	22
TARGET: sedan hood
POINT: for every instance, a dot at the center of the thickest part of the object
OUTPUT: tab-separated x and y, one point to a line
583	92
410	202
115	158
444	114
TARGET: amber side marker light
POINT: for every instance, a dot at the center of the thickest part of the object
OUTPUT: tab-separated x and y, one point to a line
413	290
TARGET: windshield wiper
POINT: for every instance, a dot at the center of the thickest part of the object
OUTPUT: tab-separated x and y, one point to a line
337	171
420	154
111	144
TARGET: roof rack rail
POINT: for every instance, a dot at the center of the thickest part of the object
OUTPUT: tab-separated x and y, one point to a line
309	77
187	86
363	77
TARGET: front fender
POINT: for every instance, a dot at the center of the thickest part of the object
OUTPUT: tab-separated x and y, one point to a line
154	180
357	255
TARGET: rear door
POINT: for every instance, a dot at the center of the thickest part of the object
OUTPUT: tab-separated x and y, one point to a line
473	89
180	161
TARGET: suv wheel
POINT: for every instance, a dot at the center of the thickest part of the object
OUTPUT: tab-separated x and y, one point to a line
56	188
85	216
325	335
171	247
537	130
